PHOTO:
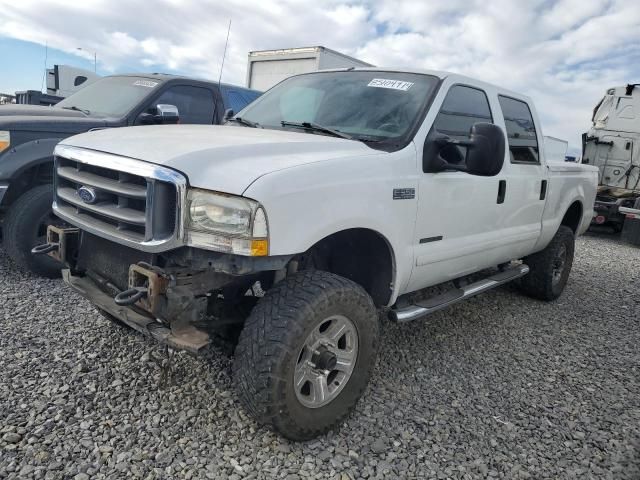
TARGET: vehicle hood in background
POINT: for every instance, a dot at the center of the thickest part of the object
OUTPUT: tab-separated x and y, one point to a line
37	110
34	118
222	158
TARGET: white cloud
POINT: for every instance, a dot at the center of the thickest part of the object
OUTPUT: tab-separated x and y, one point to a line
563	53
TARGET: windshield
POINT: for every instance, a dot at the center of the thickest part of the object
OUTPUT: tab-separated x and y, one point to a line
366	105
601	112
110	96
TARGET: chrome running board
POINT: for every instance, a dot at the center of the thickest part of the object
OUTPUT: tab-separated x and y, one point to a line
425	307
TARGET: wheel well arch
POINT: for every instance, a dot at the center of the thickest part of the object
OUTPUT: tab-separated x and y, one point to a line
360	254
573	216
39	173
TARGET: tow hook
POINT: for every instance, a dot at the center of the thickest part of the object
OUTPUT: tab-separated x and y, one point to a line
147	287
61	243
130	296
44	248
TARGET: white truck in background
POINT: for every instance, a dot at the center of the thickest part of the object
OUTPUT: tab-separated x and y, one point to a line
613	145
305	217
269	67
555	149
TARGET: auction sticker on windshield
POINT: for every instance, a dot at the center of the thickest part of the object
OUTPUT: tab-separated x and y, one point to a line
393	84
145	83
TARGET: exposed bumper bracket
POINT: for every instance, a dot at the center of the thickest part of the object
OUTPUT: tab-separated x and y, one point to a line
61	242
189	339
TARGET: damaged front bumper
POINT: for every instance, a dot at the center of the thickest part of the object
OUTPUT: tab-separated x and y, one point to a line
190	339
177	298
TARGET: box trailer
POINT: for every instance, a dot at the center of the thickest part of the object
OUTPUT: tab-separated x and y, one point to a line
268	67
555	149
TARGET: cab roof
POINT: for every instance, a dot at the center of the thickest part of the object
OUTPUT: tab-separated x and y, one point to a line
165	77
442	75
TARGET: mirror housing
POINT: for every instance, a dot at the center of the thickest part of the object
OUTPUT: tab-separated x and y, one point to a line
164	114
485	155
485	151
228	114
167	113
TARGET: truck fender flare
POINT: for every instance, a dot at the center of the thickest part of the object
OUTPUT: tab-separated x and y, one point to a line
25	156
367	231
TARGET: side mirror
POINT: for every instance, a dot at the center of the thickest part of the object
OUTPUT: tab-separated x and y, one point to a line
167	113
485	152
228	114
164	114
485	155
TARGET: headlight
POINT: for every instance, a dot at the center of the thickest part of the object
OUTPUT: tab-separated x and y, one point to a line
227	223
5	140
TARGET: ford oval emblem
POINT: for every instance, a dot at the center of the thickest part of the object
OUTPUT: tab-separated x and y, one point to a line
87	194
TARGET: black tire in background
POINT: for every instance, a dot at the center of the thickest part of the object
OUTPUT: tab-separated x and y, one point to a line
25	226
550	268
272	343
631	229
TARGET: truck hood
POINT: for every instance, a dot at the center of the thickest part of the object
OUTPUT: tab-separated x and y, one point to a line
222	158
51	122
37	110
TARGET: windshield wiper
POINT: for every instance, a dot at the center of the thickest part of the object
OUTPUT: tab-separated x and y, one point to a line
245	122
86	112
314	127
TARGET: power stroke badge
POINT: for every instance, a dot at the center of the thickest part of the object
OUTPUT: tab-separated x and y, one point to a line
404	193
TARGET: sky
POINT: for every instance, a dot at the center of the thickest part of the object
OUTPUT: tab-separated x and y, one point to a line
562	53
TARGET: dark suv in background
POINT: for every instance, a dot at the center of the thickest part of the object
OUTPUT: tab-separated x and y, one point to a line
29	133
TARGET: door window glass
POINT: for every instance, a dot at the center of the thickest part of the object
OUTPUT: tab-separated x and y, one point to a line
195	104
521	130
462	108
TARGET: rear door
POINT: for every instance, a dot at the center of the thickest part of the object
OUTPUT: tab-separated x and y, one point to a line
525	178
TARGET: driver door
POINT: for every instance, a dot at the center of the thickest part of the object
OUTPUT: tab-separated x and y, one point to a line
458	222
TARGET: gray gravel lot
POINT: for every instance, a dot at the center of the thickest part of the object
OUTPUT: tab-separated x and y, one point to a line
501	386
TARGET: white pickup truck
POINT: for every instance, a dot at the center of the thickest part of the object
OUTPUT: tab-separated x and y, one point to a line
335	196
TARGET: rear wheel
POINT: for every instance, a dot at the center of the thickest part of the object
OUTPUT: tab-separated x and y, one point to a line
306	353
25	227
550	268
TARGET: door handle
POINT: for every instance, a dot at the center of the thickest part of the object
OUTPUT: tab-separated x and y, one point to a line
502	191
543	190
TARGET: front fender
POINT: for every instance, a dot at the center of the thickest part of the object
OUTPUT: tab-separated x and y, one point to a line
308	203
26	155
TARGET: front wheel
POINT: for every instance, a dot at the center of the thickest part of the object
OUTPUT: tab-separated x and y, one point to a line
25	226
306	353
550	267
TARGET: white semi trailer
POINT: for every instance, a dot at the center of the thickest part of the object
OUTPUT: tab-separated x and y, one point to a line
63	80
613	145
268	67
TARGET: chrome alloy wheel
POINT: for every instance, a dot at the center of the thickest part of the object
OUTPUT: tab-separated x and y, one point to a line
326	361
559	263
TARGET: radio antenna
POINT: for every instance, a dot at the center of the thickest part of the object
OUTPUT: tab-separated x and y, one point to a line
44	74
224	54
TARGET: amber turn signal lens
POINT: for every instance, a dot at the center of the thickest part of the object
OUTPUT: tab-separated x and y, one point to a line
259	248
5	140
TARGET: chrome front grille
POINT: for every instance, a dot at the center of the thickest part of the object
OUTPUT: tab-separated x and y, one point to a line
125	200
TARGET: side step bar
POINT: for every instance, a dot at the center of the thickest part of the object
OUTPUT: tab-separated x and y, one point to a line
425	307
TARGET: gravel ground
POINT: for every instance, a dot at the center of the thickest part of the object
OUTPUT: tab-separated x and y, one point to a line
501	386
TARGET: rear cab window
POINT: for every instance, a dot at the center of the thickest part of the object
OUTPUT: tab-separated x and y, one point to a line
237	98
521	131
